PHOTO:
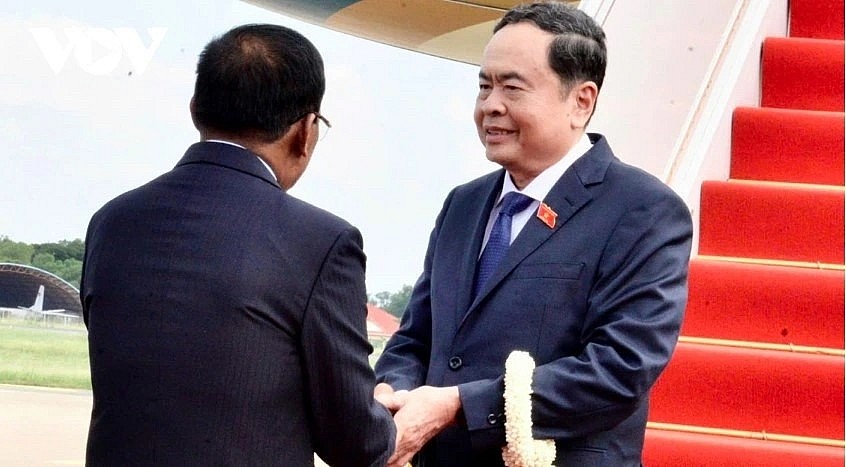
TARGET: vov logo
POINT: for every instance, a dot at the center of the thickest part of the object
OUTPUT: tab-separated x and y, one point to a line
97	51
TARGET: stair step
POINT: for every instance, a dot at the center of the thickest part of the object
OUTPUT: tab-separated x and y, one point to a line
673	448
756	390
782	221
762	303
817	19
799	73
786	145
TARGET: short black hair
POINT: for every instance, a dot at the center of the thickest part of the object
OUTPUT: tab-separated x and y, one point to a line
577	52
256	80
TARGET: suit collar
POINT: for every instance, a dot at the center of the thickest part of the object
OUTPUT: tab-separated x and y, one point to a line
229	156
570	192
591	167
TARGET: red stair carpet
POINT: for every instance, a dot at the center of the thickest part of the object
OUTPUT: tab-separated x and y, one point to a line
765	303
775	221
782	145
758	376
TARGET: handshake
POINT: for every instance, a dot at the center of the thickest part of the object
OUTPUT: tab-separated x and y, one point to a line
424	412
419	415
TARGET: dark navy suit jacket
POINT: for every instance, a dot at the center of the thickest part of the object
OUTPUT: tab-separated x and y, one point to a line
597	301
227	324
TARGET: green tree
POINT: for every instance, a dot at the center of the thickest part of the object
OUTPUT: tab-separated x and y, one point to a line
68	269
63	250
380	299
15	252
393	303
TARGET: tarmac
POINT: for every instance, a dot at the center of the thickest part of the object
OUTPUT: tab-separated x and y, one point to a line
43	426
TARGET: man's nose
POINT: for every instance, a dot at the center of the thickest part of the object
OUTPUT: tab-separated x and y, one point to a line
492	104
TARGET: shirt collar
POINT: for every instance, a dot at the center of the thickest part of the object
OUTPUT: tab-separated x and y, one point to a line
265	164
543	183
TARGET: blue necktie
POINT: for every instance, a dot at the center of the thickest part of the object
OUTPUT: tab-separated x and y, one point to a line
500	238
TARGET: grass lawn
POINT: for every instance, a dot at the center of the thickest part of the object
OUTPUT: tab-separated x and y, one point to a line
51	354
48	354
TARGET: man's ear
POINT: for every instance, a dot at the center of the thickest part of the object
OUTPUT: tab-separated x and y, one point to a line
304	136
584	97
191	107
293	151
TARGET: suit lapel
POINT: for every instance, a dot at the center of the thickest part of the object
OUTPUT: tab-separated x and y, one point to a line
566	198
481	212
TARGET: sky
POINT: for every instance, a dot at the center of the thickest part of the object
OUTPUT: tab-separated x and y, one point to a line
80	125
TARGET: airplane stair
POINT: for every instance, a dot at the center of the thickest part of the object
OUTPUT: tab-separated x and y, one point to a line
758	376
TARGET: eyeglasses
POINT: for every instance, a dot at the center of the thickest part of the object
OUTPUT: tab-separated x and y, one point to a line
323	119
320	118
322	132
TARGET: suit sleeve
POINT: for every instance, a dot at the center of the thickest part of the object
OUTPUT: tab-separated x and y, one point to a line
83	287
634	315
349	428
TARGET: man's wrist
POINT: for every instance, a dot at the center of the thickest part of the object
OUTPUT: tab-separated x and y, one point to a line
457	415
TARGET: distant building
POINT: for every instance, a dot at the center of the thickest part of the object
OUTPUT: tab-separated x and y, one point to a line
19	285
380	323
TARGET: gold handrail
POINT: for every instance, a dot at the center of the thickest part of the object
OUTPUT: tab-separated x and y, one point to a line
774	262
759	435
763	346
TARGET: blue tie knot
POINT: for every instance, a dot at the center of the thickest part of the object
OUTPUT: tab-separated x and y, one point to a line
514	202
500	238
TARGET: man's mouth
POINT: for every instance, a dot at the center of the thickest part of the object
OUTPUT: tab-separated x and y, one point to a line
498	131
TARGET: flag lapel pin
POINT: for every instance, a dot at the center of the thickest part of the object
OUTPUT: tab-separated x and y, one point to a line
547	215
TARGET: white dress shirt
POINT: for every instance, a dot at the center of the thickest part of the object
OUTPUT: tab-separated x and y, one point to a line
537	189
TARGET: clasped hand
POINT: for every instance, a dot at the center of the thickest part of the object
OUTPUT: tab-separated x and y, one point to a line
419	415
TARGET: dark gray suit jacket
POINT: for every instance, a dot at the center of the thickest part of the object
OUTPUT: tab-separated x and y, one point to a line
227	324
597	301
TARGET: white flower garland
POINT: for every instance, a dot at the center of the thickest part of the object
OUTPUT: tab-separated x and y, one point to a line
521	450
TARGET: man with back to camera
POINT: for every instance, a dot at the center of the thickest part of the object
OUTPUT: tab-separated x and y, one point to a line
226	318
593	284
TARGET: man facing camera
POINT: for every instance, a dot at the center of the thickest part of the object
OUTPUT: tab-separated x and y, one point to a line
565	253
226	318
